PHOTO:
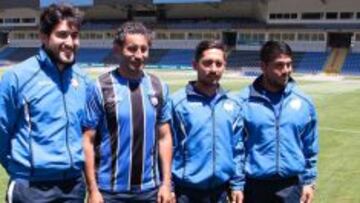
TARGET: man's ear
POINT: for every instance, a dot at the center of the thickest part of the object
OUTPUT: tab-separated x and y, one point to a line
116	48
263	66
194	65
44	38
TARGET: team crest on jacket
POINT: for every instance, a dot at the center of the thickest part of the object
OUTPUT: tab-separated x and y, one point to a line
295	104
154	100
229	106
74	83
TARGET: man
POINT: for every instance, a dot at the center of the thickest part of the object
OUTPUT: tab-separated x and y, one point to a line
127	128
208	150
42	103
280	126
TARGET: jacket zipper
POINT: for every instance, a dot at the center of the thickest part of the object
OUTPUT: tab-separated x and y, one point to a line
28	120
277	129
67	120
213	139
182	128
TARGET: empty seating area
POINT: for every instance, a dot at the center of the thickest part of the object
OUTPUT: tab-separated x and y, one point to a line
304	62
352	64
247	59
309	62
16	54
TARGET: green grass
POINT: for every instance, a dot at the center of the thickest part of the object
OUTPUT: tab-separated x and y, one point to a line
339	118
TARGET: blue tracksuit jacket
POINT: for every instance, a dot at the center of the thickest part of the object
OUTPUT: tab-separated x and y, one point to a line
41	110
285	144
208	150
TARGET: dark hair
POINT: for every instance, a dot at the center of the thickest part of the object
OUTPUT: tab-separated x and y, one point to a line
209	44
272	49
131	27
55	13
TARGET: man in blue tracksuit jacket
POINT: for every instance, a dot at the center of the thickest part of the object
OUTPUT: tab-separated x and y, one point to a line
208	150
42	103
280	130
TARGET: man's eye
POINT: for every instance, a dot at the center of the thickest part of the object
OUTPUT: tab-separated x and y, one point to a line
62	34
144	49
132	48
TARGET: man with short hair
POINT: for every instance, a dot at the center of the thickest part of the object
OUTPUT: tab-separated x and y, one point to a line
208	148
42	104
280	129
127	127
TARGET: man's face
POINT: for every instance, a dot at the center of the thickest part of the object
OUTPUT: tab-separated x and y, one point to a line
278	71
210	67
134	52
62	43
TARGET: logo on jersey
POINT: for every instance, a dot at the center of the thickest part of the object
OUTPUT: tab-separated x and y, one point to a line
295	104
74	83
229	106
154	100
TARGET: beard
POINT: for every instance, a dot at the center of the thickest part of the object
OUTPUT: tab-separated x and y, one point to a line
280	83
58	57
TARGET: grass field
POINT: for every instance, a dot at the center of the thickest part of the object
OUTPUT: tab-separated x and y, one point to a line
339	124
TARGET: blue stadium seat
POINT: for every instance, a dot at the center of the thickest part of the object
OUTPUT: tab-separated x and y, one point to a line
352	64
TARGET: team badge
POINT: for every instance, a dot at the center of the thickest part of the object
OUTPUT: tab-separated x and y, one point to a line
229	106
154	101
295	104
74	83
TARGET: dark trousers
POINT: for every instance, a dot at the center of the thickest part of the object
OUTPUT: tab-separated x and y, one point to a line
278	190
149	196
64	191
191	195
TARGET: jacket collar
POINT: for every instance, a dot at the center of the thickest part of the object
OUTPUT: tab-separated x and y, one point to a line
191	91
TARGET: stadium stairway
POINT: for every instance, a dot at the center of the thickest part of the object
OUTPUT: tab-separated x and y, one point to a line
336	60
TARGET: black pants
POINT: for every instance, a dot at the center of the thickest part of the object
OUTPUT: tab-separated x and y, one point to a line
149	196
277	190
191	195
64	191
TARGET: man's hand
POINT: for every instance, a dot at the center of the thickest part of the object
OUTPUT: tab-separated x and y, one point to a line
164	194
237	196
307	195
95	197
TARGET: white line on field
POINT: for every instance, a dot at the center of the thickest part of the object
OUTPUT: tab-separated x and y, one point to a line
340	130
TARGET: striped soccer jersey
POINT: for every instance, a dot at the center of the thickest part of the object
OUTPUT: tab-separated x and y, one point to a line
125	114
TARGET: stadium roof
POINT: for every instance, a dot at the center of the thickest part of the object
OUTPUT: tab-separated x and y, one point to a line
19	3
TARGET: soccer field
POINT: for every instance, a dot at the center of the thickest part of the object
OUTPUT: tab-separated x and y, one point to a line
337	101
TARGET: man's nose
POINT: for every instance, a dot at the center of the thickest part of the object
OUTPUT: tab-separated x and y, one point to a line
70	41
139	54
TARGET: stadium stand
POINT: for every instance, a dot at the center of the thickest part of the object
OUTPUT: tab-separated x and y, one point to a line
17	54
178	27
352	64
243	59
309	62
92	55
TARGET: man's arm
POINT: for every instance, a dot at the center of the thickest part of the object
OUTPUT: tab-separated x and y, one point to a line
8	114
165	153
93	112
237	182
310	141
90	176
